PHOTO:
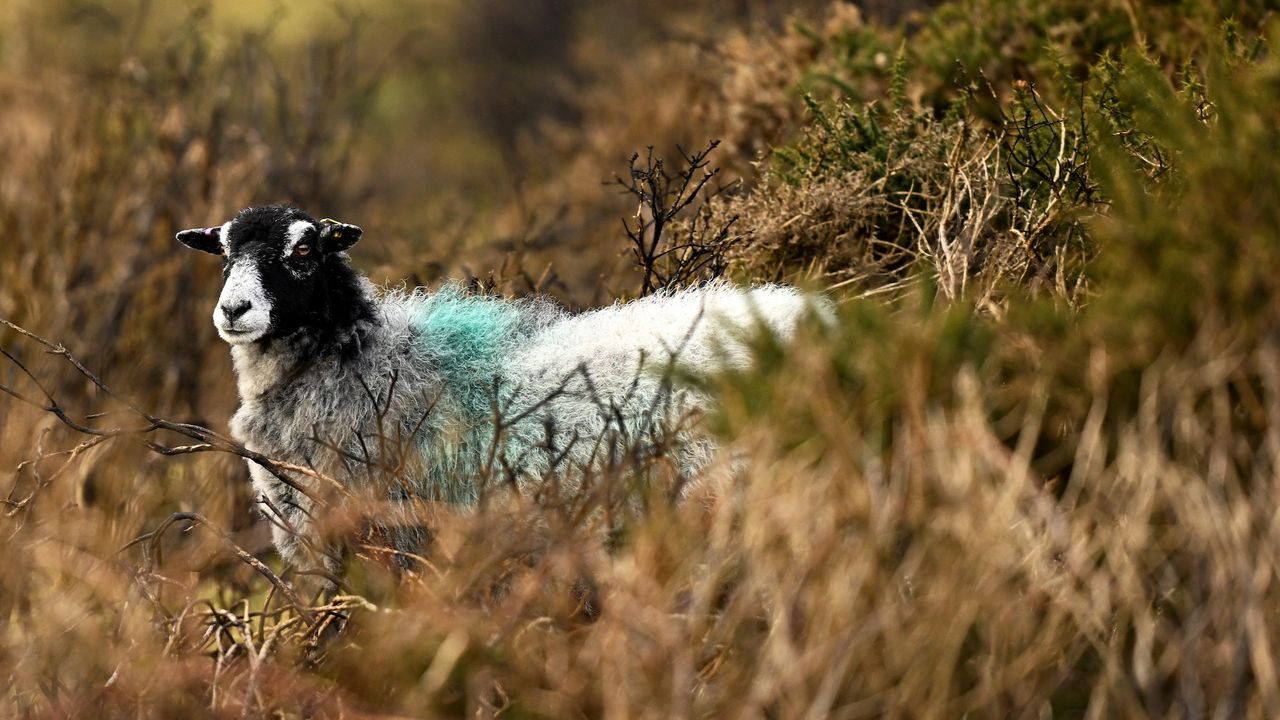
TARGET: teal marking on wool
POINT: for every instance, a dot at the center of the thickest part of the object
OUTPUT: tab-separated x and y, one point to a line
465	336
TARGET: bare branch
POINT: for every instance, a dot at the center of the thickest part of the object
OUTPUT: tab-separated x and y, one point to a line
663	198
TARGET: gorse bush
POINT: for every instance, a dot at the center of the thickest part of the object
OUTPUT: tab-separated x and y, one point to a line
1198	228
1029	468
867	194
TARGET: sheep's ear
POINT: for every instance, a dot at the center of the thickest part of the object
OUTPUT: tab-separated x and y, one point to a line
337	236
206	239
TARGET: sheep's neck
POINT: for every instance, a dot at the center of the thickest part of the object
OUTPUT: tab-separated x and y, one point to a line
279	362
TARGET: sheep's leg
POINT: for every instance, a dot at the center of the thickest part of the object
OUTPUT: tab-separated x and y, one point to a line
290	515
279	504
407	543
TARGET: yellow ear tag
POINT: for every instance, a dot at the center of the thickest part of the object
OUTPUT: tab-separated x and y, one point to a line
331	221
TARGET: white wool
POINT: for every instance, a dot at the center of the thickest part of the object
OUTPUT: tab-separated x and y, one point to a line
701	328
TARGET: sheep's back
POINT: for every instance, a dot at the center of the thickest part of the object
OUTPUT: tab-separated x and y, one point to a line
702	329
602	377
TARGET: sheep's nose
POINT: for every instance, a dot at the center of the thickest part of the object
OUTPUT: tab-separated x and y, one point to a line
231	312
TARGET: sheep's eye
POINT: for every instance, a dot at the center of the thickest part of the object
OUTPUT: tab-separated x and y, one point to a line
302	250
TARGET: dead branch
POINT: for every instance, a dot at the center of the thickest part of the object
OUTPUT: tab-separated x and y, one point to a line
662	197
208	440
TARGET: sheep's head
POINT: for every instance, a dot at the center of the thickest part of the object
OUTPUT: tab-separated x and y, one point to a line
282	270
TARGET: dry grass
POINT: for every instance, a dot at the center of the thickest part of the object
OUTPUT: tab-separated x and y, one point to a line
924	568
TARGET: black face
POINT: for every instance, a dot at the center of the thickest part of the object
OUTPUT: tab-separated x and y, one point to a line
283	244
284	272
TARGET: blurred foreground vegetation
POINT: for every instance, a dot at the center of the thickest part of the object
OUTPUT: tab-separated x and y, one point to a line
1031	472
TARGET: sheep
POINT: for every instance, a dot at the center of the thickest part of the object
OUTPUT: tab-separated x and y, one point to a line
328	367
